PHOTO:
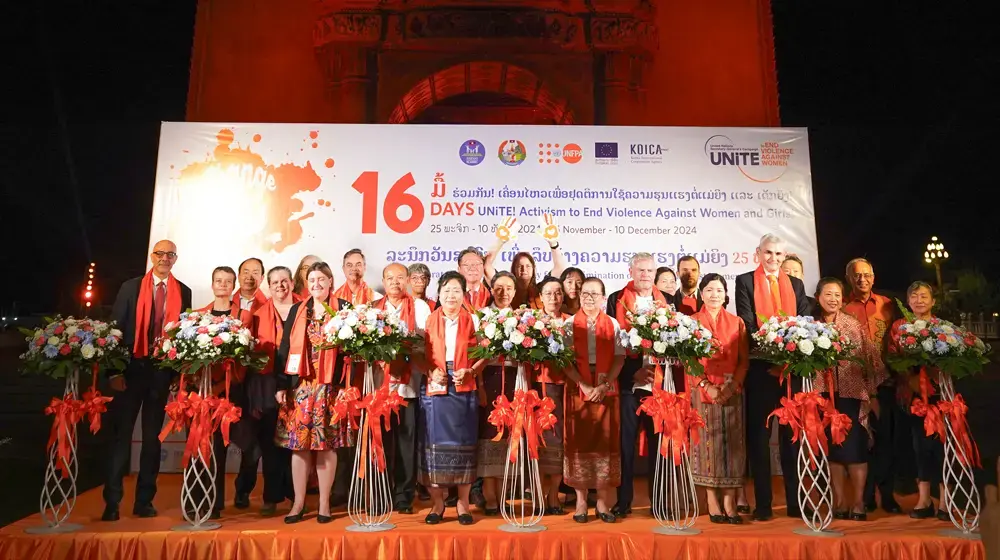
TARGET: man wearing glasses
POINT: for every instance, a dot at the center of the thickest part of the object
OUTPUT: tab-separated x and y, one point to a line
144	305
876	313
471	265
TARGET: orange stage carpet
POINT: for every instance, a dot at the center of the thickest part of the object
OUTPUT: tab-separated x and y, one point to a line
245	535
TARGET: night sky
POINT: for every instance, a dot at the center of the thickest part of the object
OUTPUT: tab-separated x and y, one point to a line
902	126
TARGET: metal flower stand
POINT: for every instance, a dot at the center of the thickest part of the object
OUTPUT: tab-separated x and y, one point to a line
675	498
369	500
58	496
522	500
961	498
198	488
815	493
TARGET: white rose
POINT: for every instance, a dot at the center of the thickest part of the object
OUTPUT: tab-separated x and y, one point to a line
510	323
659	347
516	337
947	329
351	321
683	333
70	331
661	311
634	340
87	351
203	339
490	330
212	329
920	324
641	320
166	346
823	342
244	338
116	333
771	335
806	347
226	337
371	315
345	333
53	340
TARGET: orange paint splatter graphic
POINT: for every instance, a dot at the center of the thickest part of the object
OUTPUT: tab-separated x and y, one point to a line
329	163
276	184
315	145
314	134
256	137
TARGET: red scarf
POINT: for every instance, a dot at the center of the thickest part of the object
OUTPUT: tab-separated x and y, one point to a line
626	303
474	301
258	301
763	304
267	329
400	369
726	330
604	336
298	344
144	310
431	304
363	296
434	338
235	312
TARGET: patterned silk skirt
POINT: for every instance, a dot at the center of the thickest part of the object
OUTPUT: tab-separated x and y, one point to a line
306	427
592	454
492	455
719	459
550	457
447	429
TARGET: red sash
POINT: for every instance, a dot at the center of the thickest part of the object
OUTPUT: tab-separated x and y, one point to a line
400	369
298	345
144	308
363	296
763	303
267	329
627	303
434	338
479	299
605	340
258	301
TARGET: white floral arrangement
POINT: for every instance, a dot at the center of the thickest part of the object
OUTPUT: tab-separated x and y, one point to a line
938	343
660	332
522	335
368	333
197	340
67	344
802	344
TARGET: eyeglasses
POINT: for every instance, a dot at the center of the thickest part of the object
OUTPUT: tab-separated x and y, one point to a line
591	295
865	275
550	295
472	265
169	254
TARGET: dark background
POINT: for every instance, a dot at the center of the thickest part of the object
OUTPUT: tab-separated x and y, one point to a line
901	121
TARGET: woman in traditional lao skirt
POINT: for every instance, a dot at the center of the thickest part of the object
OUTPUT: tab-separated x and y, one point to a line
308	373
495	379
551	383
592	451
853	382
449	407
929	450
718	461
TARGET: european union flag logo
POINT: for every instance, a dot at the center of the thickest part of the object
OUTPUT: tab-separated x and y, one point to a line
605	150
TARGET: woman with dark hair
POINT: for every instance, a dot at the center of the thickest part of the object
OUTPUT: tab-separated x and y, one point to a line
308	373
448	417
572	280
301	288
666	280
524	267
853	382
718	461
928	449
551	383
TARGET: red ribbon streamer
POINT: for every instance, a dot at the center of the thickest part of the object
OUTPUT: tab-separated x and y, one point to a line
94	404
380	405
527	414
347	405
225	413
808	415
956	410
675	419
67	412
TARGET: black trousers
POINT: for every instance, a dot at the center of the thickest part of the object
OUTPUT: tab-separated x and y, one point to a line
630	422
146	388
276	461
884	458
763	395
403	458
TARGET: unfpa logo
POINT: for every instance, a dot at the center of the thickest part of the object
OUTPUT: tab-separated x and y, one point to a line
554	153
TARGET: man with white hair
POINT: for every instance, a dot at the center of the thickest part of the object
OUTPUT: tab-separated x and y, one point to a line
767	292
635	380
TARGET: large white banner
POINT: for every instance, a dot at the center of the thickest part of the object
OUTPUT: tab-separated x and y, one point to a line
422	193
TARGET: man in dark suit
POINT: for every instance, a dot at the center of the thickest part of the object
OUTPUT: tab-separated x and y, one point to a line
688	275
635	380
142	308
762	388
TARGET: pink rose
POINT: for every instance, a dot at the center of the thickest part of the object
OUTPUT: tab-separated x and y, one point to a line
59	329
73	339
910	340
39	341
546	332
672	323
484	343
837	346
362	329
778	340
527	342
217	341
790	347
522	328
387	330
172	353
531	321
202	330
654	326
101	342
646	343
65	349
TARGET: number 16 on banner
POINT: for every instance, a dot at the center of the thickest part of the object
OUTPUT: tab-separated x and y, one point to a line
396	198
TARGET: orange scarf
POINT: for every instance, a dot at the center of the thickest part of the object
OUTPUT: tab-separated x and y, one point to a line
434	338
267	329
299	345
474	301
259	300
400	369
431	304
144	311
363	296
763	303
626	303
604	336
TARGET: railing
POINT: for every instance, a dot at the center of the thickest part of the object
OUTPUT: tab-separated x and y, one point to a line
984	325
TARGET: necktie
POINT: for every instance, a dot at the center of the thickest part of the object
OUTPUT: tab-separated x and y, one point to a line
159	301
775	293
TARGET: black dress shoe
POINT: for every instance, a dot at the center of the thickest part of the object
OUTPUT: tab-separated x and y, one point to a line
718	519
554	510
762	515
433	518
734	519
324	519
242	501
744	509
581	518
870	506
216	514
922	513
621	511
268	509
144	511
465	519
491	512
891	507
859	516
404	509
942	515
842	515
110	514
607	517
290	519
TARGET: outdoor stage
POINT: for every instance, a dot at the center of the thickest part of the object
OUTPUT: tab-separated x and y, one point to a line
245	535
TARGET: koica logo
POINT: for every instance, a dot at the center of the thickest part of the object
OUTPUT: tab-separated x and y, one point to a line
646	153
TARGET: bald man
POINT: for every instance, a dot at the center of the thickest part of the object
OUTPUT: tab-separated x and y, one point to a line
142	308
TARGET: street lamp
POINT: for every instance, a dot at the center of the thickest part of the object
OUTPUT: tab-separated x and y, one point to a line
935	255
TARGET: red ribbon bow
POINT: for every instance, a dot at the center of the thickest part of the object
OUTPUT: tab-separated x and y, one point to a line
380	404
347	405
956	410
67	412
527	414
94	404
675	419
199	412
808	415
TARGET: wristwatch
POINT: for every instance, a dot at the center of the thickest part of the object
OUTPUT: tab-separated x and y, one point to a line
556	246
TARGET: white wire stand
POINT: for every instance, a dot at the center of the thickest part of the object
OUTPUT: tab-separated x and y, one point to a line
961	497
675	499
815	492
58	496
198	489
522	501
369	500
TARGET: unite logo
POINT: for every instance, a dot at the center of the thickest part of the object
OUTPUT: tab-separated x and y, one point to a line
555	152
763	163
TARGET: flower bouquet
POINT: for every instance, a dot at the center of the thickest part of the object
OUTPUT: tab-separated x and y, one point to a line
804	347
522	336
659	332
60	350
369	333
